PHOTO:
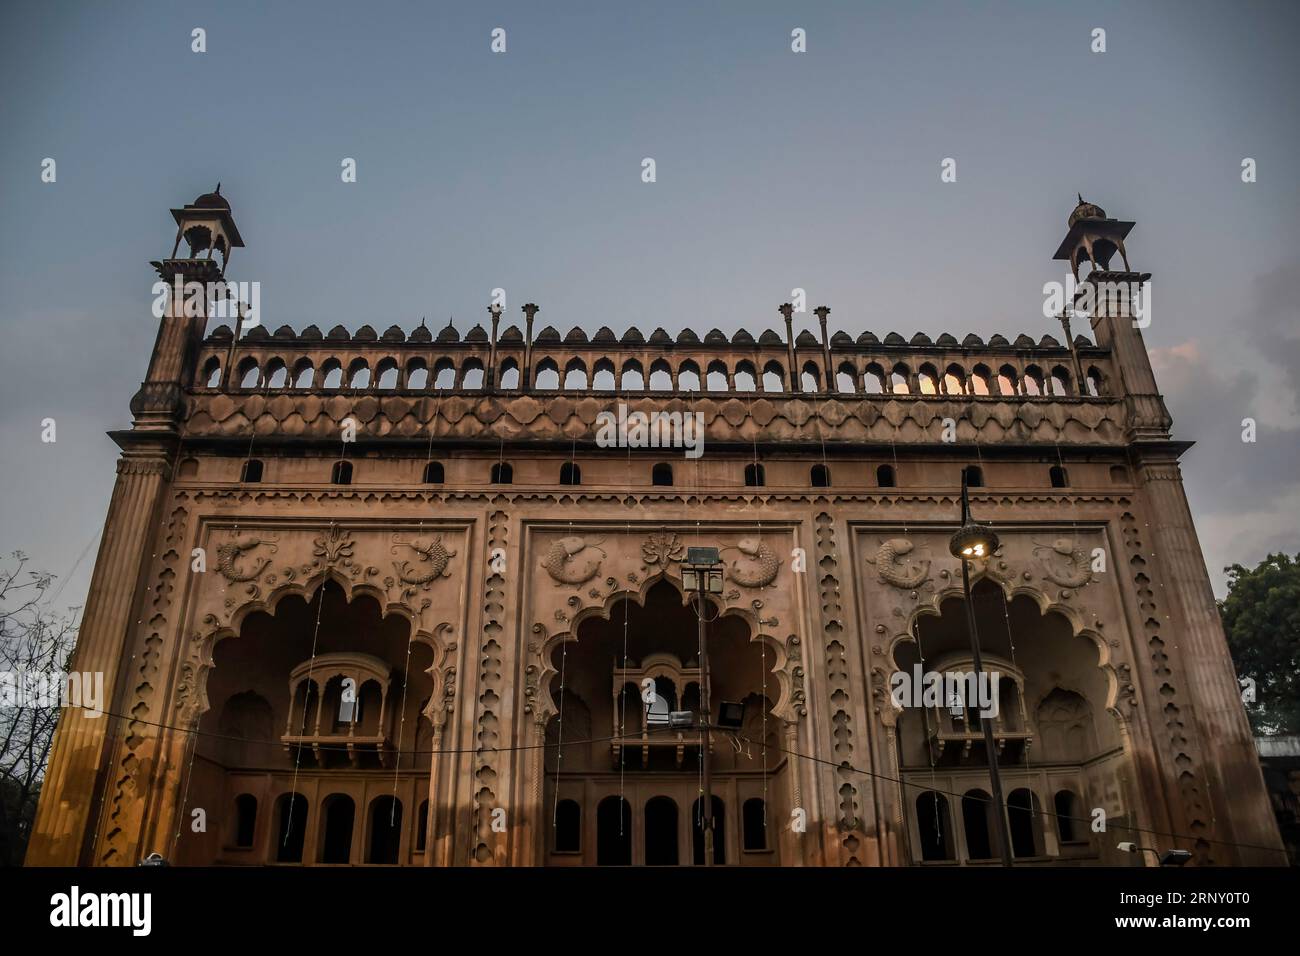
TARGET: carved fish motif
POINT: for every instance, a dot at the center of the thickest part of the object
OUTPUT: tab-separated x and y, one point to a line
1078	566
436	554
230	552
894	567
761	564
569	560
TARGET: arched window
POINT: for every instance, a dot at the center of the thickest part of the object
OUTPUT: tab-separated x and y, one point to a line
336	841
212	372
632	379
934	826
846	379
1118	475
385	830
811	379
502	473
1069	817
974	476
509	374
433	473
661	376
821	476
575	375
1025	823
1033	380
567	827
342	473
1094	381
252	471
417	376
977	820
745	377
548	376
773	377
359	374
570	474
898	380
1007	380
387	374
249	373
754	476
754	821
332	371
885	476
661	832
613	832
471	375
1060	477
245	819
954	380
422	828
276	374
302	374
1060	381
290	827
444	374
662	475
719	831
688	377
874	380
716	380
979	380
928	380
190	468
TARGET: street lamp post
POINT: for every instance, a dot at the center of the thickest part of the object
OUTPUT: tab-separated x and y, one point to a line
701	575
970	542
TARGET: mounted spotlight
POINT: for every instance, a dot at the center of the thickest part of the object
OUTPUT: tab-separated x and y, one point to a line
681	720
1170	858
731	715
153	859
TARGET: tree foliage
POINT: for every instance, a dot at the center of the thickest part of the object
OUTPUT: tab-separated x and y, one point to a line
1261	618
34	641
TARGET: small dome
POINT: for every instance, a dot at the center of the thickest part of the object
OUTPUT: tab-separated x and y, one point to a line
1086	210
212	200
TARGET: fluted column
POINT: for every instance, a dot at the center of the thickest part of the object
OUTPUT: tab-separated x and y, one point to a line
64	830
1231	764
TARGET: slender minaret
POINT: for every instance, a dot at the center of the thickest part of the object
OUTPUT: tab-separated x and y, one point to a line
68	817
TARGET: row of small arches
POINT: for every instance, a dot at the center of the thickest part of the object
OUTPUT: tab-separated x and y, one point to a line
1031	380
661	475
383	835
659	830
1024	824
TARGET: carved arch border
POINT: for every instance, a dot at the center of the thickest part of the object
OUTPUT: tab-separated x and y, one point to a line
190	701
1116	684
539	671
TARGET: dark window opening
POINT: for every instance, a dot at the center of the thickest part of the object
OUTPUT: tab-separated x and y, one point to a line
433	473
568	827
570	474
821	476
337	845
719	832
1060	478
422	828
754	814
662	475
252	471
661	832
974	476
385	830
613	832
342	474
502	473
754	476
934	827
291	828
885	476
975	809
245	819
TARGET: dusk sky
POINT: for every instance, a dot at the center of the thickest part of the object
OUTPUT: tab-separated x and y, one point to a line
775	170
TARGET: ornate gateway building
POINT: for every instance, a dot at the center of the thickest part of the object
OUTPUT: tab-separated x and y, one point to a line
379	598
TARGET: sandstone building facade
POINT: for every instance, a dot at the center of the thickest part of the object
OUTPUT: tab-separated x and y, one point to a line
383	599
